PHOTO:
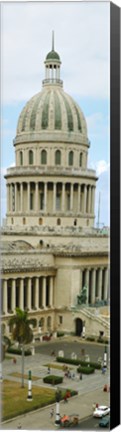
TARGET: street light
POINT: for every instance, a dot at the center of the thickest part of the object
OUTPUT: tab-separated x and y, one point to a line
105	357
57	415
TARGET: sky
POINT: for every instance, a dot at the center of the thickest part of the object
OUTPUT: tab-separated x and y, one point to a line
82	39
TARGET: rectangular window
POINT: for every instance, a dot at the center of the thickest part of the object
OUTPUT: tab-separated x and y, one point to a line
60	319
31	201
68	201
58	201
41	201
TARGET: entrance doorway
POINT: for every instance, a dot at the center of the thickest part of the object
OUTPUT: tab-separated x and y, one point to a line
79	326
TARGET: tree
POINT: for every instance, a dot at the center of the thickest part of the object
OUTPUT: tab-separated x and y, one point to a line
21	332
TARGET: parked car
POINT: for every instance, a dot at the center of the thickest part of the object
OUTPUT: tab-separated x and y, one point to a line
101	411
105	421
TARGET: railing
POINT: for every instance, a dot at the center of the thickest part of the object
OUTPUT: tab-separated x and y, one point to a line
52	81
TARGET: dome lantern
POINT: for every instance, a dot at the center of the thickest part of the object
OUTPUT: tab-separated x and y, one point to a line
52	67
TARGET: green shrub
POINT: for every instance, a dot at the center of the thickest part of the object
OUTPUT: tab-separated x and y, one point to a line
100	340
77	362
53	379
60	334
85	370
90	338
18	351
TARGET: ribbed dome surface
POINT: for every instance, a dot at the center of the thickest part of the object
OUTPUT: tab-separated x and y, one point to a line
52	55
52	109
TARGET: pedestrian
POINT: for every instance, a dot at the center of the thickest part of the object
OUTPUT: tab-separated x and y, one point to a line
51	413
65	398
48	369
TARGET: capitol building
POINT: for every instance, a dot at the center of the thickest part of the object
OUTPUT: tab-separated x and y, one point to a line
50	248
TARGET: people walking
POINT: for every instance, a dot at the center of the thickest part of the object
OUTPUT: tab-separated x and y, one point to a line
51	413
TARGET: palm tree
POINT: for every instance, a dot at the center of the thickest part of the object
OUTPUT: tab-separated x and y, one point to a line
21	332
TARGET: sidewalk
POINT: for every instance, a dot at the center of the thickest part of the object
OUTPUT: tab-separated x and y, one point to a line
40	419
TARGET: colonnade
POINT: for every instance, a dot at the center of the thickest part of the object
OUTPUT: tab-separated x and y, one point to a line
27	293
96	281
50	197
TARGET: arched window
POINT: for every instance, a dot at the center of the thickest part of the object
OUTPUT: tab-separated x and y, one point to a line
58	221
75	222
24	221
43	157
57	157
21	158
31	157
70	158
80	159
40	222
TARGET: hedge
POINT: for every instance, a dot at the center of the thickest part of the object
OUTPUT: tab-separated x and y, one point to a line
18	351
53	379
90	338
78	362
85	370
60	334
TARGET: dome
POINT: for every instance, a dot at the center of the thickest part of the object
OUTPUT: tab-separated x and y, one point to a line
53	55
52	110
52	114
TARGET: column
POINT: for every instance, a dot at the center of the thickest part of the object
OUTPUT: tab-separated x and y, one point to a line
13	295
63	197
100	284
54	197
21	298
89	200
16	207
37	293
44	292
36	197
28	194
45	197
93	280
5	304
105	283
52	71
21	197
93	200
51	292
71	198
29	294
10	197
79	192
8	205
81	274
87	284
84	198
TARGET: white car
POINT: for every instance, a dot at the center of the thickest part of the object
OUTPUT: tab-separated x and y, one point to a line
101	411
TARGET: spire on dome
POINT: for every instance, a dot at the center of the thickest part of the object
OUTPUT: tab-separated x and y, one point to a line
52	40
52	67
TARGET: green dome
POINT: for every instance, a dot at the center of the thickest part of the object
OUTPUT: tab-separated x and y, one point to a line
52	110
52	55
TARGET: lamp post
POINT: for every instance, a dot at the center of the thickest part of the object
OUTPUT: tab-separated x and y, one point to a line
57	415
29	397
105	358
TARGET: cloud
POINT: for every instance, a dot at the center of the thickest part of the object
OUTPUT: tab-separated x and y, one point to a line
79	39
101	167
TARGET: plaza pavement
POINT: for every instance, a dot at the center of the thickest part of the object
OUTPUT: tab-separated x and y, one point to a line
90	391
